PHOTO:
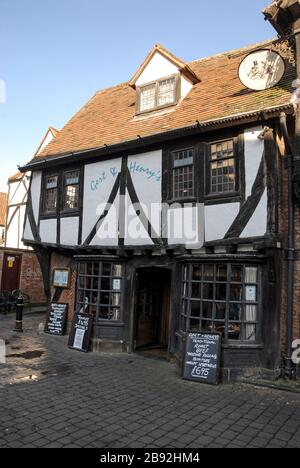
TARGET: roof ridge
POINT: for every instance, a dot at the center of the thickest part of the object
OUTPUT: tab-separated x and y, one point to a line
233	51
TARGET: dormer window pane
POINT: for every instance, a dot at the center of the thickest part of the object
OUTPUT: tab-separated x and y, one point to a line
166	92
147	101
158	95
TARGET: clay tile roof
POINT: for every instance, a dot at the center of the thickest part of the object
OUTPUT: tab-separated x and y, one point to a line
109	117
16	177
3	207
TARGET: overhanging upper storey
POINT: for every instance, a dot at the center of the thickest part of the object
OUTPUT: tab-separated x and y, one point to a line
282	14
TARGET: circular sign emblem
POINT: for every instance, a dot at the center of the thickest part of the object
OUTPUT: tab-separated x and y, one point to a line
262	69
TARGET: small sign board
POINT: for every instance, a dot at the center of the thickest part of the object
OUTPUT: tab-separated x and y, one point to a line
81	332
202	360
57	319
61	278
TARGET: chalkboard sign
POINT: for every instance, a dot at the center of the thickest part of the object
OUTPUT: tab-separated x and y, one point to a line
202	358
81	332
57	319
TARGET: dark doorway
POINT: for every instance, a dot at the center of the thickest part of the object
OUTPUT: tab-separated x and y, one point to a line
11	272
152	308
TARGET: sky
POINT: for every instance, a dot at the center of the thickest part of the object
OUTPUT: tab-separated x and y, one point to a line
55	55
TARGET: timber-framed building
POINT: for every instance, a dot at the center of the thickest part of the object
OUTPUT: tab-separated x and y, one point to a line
167	196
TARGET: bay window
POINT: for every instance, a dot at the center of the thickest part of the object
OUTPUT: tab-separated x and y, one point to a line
99	290
222	298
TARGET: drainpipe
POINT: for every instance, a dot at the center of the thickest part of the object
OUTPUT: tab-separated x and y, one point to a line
289	368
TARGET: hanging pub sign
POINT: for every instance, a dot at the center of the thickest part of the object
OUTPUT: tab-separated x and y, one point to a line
57	319
81	332
202	360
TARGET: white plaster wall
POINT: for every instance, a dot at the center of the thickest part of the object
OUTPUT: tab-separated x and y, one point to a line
135	233
146	173
49	137
254	148
186	86
218	219
186	226
158	67
36	193
69	231
48	231
99	179
14	233
17	192
108	233
257	225
27	231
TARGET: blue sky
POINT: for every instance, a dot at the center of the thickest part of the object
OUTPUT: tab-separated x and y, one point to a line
55	55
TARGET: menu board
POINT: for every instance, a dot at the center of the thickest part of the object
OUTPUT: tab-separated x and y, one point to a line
202	360
81	332
57	319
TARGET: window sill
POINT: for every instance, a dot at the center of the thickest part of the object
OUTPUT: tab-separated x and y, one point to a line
222	199
69	213
62	214
108	323
242	346
156	109
181	201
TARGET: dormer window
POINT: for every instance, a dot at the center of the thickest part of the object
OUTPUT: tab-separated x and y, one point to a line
159	94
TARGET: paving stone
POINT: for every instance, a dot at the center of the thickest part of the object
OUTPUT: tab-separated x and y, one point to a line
117	401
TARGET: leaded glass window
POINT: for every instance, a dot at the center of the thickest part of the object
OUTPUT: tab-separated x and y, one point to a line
159	94
221	298
222	168
99	290
183	174
71	190
147	98
50	200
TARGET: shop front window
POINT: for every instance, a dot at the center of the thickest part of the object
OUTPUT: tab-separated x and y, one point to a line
221	298
99	290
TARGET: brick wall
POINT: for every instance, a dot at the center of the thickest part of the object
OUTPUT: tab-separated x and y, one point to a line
68	295
283	225
31	279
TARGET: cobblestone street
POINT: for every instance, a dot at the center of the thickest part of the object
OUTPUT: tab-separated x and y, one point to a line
51	396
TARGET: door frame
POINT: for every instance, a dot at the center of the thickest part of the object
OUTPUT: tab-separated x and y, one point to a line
134	302
12	254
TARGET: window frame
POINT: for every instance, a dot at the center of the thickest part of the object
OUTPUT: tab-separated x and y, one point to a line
187	299
45	212
99	290
64	208
177	82
61	210
188	198
224	197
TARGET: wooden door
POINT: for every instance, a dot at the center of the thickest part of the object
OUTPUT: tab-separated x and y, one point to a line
152	308
11	272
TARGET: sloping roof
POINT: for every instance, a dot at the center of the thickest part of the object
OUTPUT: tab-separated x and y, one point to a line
109	117
16	177
53	132
3	207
